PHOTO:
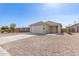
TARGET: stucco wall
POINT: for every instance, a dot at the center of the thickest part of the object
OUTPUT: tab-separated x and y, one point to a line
47	29
39	29
43	29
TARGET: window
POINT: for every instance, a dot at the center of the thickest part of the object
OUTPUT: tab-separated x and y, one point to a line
43	28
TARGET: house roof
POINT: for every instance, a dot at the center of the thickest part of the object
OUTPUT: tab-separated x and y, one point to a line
45	23
74	25
52	23
38	23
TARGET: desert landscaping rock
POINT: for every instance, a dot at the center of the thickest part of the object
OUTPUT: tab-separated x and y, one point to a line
3	52
44	45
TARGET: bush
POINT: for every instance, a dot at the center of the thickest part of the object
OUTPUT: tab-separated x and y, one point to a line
5	29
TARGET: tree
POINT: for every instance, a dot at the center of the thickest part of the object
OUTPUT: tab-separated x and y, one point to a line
5	29
12	27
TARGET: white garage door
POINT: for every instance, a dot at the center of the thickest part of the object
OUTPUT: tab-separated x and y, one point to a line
37	29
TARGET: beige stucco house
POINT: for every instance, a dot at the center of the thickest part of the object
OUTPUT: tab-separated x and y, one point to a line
45	27
74	28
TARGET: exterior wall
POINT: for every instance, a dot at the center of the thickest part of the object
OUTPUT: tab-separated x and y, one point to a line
59	29
17	30
24	29
39	29
43	29
53	29
47	29
75	28
78	29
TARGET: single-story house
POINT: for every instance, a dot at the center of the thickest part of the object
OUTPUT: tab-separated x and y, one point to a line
46	27
24	29
74	28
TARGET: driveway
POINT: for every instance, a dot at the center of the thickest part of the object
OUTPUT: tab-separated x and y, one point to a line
12	38
7	39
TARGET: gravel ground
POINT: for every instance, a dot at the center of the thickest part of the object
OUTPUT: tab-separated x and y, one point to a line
3	52
45	45
9	34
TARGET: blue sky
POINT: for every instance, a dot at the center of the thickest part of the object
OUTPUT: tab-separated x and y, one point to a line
28	13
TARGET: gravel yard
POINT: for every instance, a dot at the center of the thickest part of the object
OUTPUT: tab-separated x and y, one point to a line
45	45
9	34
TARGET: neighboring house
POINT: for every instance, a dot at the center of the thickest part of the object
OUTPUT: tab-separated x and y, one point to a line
17	30
46	27
74	28
24	29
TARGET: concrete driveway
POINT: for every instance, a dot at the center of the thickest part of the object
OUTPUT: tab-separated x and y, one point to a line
14	38
11	38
